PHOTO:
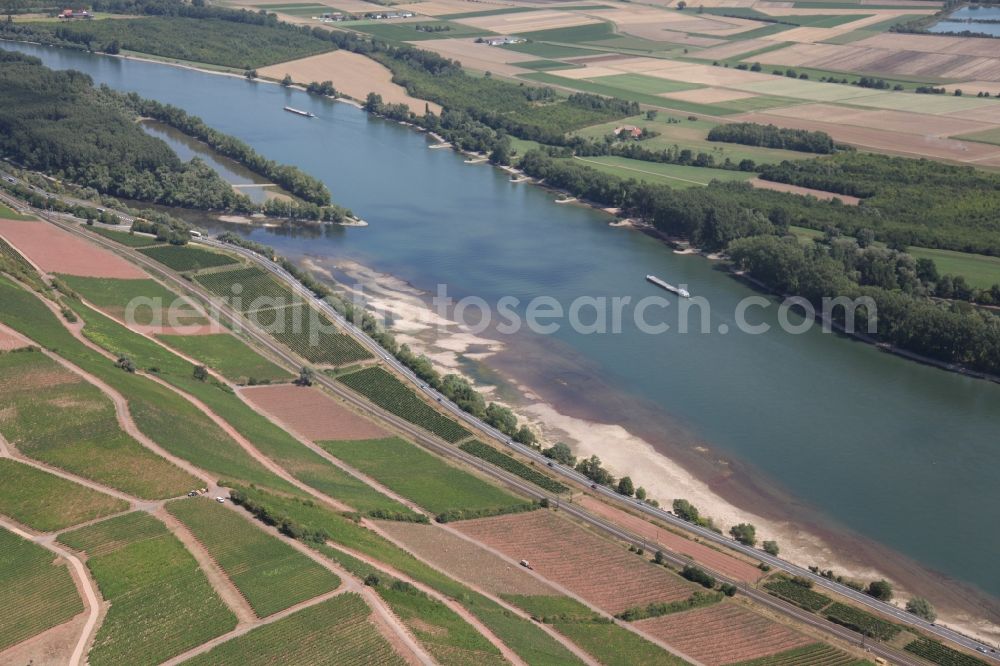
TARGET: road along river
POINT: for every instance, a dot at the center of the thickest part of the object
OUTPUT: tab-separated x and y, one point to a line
850	456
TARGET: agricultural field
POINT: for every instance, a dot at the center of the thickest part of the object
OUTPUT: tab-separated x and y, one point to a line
46	502
941	654
184	258
465	560
979	270
36	594
334	632
142	302
229	356
723	633
509	463
817	654
248	289
383	389
451	640
312	336
7	214
862	622
124	237
408	32
422	477
54	250
559	550
797	594
270	574
86	439
674	175
161	603
312	413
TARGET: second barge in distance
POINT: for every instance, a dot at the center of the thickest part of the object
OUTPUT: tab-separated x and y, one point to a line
300	112
680	291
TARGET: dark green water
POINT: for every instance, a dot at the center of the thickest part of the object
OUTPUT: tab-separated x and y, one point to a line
862	442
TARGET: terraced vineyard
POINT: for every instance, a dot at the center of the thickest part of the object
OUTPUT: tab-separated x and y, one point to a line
798	595
382	388
818	654
860	621
183	258
942	654
161	602
501	459
46	502
8	252
247	288
315	338
36	595
270	574
335	632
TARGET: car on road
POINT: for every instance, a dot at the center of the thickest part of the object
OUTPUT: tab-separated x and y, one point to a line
220	500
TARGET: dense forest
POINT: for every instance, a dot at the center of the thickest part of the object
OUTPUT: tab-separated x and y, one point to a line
58	123
771	136
751	226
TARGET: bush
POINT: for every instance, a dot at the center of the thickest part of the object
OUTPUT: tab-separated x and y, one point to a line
770	547
698	575
921	608
745	533
880	589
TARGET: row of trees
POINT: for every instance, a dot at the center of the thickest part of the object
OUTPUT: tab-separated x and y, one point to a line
771	136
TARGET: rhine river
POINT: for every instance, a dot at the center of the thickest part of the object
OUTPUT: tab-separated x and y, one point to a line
877	454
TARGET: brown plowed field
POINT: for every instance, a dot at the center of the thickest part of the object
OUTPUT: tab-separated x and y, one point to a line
311	413
700	553
804	191
11	340
602	572
723	634
55	250
467	561
887	120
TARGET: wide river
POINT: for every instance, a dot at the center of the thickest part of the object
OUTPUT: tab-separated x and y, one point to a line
857	445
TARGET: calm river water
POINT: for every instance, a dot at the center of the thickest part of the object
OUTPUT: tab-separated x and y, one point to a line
861	443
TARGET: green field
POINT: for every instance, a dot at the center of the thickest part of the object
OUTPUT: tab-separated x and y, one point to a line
543	50
382	388
545	65
675	175
407	32
46	502
270	574
421	476
509	463
7	214
685	134
124	237
228	355
451	640
573	35
85	439
989	136
36	595
161	602
817	654
647	85
331	633
187	258
938	653
489	12
141	302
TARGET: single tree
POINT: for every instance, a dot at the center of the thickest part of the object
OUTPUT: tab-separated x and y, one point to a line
880	589
561	453
625	486
200	373
685	510
250	74
125	363
287	81
640	493
745	533
305	376
921	608
770	547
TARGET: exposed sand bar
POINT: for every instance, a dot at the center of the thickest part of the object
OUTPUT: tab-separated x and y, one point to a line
351	74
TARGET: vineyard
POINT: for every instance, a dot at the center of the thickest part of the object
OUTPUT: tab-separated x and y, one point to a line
228	355
500	459
156	305
862	622
817	654
36	595
248	289
269	573
161	602
8	252
335	632
382	388
46	502
797	594
123	237
614	646
313	337
942	654
183	258
421	477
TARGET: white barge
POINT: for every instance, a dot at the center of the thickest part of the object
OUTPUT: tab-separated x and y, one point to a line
680	291
300	112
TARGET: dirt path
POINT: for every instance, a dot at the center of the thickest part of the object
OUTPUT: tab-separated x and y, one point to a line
86	587
454	606
569	593
218	579
565	642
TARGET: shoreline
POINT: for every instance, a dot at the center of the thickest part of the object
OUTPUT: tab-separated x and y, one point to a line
726	490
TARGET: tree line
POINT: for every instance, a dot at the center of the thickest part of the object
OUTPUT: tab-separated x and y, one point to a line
771	136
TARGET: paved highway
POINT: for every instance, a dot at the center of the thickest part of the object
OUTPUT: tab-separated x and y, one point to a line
529	489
